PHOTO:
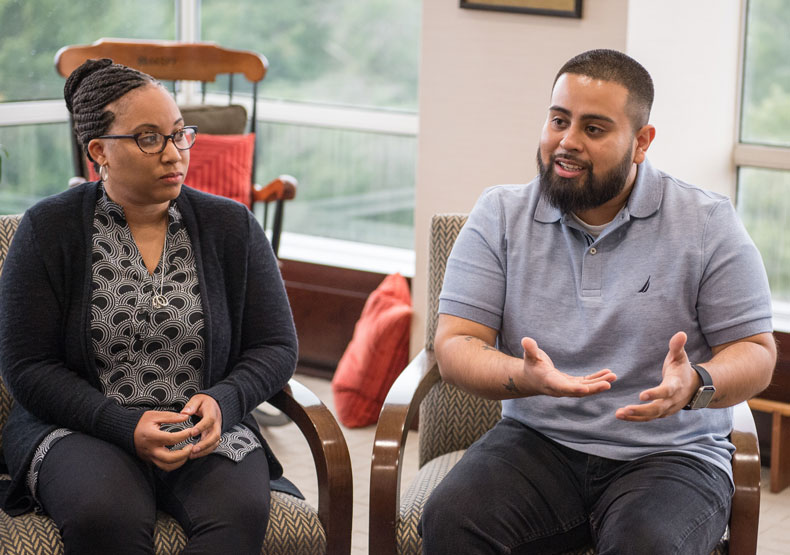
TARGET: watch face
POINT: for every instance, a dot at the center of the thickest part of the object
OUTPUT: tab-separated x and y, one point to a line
703	397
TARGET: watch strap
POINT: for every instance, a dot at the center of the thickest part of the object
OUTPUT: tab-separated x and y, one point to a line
703	374
704	393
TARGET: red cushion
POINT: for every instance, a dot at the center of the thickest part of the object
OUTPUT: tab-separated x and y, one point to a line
377	354
92	174
218	164
222	165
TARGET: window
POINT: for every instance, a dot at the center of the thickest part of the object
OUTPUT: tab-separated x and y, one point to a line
356	179
343	52
353	185
39	156
33	120
32	32
765	110
763	150
337	109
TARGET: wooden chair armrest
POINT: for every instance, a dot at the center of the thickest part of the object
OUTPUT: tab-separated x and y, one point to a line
400	408
745	513
332	461
282	188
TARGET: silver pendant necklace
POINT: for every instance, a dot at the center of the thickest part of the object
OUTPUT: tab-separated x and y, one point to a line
159	301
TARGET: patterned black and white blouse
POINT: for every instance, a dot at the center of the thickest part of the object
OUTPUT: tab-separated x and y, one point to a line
147	355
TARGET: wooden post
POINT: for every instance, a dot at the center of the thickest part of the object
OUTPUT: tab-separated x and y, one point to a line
780	440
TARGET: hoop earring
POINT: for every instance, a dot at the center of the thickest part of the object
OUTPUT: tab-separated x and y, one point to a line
103	172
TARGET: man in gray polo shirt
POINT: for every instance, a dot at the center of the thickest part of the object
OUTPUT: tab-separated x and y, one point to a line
598	302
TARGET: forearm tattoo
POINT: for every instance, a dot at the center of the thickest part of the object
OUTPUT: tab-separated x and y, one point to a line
485	346
510	386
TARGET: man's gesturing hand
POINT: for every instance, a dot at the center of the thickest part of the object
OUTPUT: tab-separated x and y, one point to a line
542	378
673	393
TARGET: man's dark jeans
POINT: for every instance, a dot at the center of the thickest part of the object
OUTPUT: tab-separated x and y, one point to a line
515	491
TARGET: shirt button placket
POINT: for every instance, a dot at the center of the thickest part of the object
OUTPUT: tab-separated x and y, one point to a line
591	273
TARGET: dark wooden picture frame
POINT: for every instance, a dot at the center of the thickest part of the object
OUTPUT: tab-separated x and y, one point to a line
558	8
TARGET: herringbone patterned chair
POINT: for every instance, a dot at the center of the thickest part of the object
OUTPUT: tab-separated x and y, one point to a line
450	420
295	527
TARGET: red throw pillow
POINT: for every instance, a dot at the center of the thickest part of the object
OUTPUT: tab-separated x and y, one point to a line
377	354
218	164
92	174
222	165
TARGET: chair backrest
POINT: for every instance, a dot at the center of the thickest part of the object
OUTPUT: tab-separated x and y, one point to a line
450	418
166	60
8	225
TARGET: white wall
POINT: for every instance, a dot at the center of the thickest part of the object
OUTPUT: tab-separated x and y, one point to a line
485	81
691	49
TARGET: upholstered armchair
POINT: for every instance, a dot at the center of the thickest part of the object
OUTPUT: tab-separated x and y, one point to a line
450	420
295	527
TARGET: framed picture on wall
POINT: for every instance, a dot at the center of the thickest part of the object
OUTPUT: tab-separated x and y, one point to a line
560	8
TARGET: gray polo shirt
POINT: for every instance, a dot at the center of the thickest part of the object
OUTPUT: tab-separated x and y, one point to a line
676	258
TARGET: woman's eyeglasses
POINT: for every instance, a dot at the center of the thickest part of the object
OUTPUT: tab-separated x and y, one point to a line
154	143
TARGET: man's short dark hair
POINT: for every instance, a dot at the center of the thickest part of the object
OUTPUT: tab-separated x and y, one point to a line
611	65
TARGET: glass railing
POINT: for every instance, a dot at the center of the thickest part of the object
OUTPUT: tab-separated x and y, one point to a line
354	184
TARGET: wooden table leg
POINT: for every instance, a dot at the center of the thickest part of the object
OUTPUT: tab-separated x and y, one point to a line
780	453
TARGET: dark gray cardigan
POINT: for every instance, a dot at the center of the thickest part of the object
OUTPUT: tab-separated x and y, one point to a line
45	348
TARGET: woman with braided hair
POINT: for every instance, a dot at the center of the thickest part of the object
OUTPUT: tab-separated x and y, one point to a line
142	322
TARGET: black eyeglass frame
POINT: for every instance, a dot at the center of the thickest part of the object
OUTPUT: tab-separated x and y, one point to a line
171	137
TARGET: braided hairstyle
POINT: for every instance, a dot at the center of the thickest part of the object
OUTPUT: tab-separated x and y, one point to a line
90	88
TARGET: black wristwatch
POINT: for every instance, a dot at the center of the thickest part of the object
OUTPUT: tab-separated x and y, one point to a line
704	394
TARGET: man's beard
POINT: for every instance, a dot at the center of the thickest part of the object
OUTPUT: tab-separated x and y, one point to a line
569	195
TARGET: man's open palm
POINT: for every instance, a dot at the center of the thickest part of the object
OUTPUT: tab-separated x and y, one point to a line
543	378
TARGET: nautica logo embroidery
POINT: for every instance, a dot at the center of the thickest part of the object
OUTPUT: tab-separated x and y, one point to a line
646	286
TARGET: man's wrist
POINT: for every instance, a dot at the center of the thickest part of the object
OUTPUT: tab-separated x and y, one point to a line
704	392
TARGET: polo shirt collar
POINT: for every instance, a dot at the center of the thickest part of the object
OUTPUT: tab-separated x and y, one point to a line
646	195
644	200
